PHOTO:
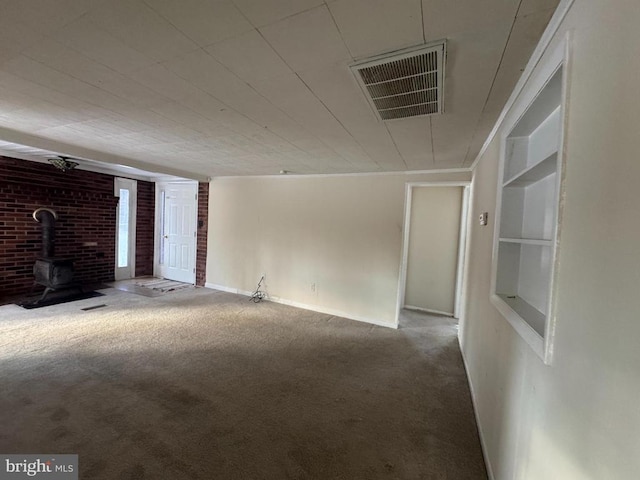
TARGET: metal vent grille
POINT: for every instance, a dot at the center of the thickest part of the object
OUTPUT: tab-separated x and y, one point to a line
405	84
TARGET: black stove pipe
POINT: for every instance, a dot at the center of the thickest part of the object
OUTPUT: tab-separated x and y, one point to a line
47	217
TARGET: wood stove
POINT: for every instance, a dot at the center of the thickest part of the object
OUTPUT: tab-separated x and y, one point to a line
54	273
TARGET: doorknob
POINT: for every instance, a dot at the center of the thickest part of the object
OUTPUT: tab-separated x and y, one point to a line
166	236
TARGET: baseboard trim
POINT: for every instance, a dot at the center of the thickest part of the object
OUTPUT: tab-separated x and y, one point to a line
427	310
223	288
483	444
304	306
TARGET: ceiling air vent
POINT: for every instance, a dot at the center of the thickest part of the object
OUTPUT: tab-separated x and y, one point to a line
408	83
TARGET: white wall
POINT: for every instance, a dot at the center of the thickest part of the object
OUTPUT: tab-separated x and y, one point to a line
578	418
331	243
433	248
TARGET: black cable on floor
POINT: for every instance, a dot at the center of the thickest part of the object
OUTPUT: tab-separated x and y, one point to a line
258	296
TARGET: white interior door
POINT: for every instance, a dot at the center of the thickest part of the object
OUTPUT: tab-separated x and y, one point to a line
126	190
177	233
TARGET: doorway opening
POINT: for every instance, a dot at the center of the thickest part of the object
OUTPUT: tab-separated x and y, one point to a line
176	218
126	191
433	248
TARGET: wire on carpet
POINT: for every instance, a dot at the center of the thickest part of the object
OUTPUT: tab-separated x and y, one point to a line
258	295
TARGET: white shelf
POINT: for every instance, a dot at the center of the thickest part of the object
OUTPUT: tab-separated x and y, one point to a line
534	173
534	317
541	108
528	241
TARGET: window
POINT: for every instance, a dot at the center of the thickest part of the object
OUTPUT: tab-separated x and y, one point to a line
123	228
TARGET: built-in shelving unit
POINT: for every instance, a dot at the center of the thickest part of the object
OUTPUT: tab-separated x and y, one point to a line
527	215
526	241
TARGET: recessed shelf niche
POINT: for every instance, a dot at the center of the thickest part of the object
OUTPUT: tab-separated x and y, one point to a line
526	232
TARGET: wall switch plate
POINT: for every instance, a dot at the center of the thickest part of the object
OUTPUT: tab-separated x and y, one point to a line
484	218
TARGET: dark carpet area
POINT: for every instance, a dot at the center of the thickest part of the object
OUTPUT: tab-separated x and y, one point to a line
57	298
199	384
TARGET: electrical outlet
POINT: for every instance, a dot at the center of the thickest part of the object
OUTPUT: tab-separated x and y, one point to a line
313	287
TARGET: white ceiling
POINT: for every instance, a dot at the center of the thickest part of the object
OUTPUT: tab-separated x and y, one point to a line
15	150
204	88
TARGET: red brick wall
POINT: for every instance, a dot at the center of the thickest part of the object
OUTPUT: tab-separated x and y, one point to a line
203	216
86	209
145	228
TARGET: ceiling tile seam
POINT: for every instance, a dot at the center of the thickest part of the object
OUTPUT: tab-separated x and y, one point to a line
41	101
182	124
147	127
433	152
424	36
64	27
475	133
395	145
337	120
319	100
65	93
258	124
78	52
171	100
112	70
493	81
473	137
179	30
193	39
335	24
276	21
66	24
39	98
537	12
296	122
124	43
243	16
104	32
206	93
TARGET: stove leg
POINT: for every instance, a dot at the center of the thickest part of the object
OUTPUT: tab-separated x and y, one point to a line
44	295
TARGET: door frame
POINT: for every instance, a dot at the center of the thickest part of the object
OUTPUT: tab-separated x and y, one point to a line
132	186
460	268
158	224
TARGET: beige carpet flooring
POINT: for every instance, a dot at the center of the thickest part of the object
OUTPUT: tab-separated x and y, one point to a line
199	384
